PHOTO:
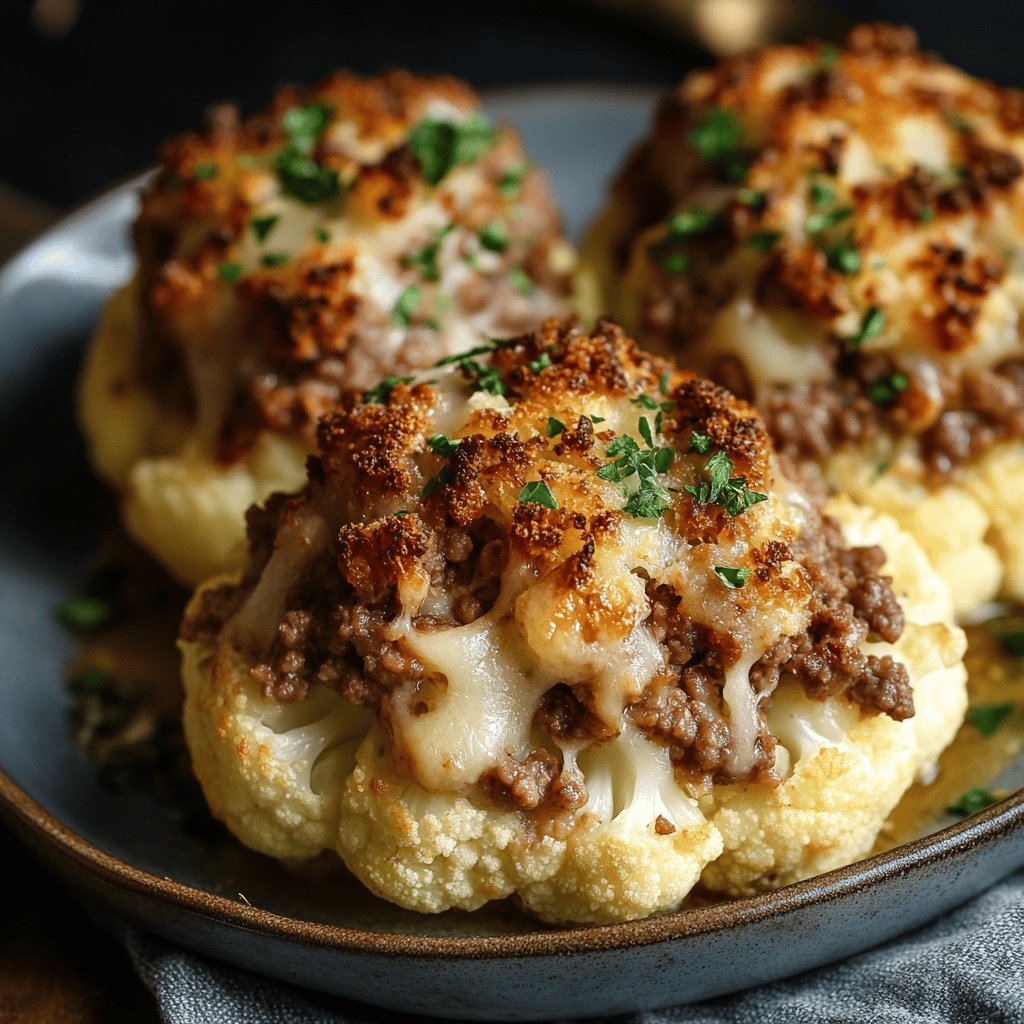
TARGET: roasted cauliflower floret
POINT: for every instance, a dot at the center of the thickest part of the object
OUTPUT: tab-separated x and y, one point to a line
835	233
358	229
587	631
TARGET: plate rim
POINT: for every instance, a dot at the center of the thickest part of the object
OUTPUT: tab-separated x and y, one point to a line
994	823
31	819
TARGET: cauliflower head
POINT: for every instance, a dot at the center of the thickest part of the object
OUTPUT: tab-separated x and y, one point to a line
361	228
830	233
552	623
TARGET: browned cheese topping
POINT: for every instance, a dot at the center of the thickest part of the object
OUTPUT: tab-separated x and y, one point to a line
359	228
835	233
535	548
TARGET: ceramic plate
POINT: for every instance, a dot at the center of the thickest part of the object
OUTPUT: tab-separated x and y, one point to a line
129	852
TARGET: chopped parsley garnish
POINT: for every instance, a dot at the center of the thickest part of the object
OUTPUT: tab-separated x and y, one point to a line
926	214
406	305
871	326
829	56
555	427
83	614
262	226
677	263
300	175
483	378
971	802
494	236
230	272
425	260
646	402
692	222
274	259
323	235
441	444
539	492
382	391
988	717
597	419
957	121
512	180
205	172
663	382
734	579
822	194
717	136
824	220
885	390
649	500
752	197
722	488
1011	640
542	362
762	241
435	483
700	443
843	256
400	512
520	281
439	145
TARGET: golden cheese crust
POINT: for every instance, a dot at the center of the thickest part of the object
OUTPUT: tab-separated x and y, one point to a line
835	234
360	228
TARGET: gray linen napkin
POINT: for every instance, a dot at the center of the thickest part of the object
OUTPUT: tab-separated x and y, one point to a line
966	967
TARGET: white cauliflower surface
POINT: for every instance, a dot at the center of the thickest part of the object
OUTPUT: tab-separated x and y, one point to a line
360	228
837	235
550	623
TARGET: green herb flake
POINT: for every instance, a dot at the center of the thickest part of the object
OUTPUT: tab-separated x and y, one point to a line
542	362
425	259
722	488
323	235
752	197
441	444
230	272
957	121
676	263
512	180
299	174
400	512
1011	640
692	222
828	57
438	146
734	579
494	236
262	226
539	492
597	419
274	259
825	220
521	281
717	135
644	427
382	392
435	483
84	614
555	427
971	802
700	443
205	171
406	305
885	390
762	241
821	194
872	324
988	717
843	257
926	214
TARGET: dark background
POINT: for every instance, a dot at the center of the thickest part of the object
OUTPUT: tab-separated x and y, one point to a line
87	99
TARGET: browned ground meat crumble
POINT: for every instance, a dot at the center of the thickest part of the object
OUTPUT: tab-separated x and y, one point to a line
330	637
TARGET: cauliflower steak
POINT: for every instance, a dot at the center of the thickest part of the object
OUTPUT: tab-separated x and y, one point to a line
357	229
552	620
837	234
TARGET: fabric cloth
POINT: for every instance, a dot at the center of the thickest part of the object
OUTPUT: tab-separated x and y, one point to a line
965	967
